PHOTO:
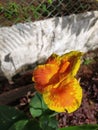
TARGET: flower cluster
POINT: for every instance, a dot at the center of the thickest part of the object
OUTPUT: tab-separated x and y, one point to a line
56	81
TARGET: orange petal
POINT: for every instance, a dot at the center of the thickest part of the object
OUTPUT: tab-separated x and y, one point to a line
66	97
39	87
43	73
74	57
63	66
53	59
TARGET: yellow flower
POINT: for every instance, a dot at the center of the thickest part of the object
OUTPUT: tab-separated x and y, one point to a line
57	83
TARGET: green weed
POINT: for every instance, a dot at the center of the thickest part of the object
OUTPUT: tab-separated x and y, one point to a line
11	10
15	12
87	61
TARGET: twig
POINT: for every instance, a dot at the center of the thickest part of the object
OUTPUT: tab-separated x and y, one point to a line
13	95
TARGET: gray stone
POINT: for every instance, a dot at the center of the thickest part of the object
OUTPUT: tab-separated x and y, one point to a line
27	43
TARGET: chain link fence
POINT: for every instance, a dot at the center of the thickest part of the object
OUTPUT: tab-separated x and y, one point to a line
14	11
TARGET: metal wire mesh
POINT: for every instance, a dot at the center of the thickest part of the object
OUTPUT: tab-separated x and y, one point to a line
14	11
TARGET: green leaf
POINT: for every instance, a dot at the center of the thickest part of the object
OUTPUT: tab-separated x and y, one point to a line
8	116
49	123
32	125
53	122
19	125
83	127
35	112
25	125
37	105
36	101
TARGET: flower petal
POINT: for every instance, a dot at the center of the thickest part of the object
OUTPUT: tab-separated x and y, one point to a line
43	74
66	97
63	67
74	58
53	59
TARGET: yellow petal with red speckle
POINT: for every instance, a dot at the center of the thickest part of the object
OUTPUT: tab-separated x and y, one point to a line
66	96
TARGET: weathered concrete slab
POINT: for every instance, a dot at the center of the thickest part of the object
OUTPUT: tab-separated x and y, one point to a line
23	44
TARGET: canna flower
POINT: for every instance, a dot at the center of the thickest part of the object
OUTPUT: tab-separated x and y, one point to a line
56	81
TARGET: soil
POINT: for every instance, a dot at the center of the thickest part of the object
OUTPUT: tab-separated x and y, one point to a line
20	92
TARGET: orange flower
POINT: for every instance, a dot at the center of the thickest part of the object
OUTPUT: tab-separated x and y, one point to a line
55	80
